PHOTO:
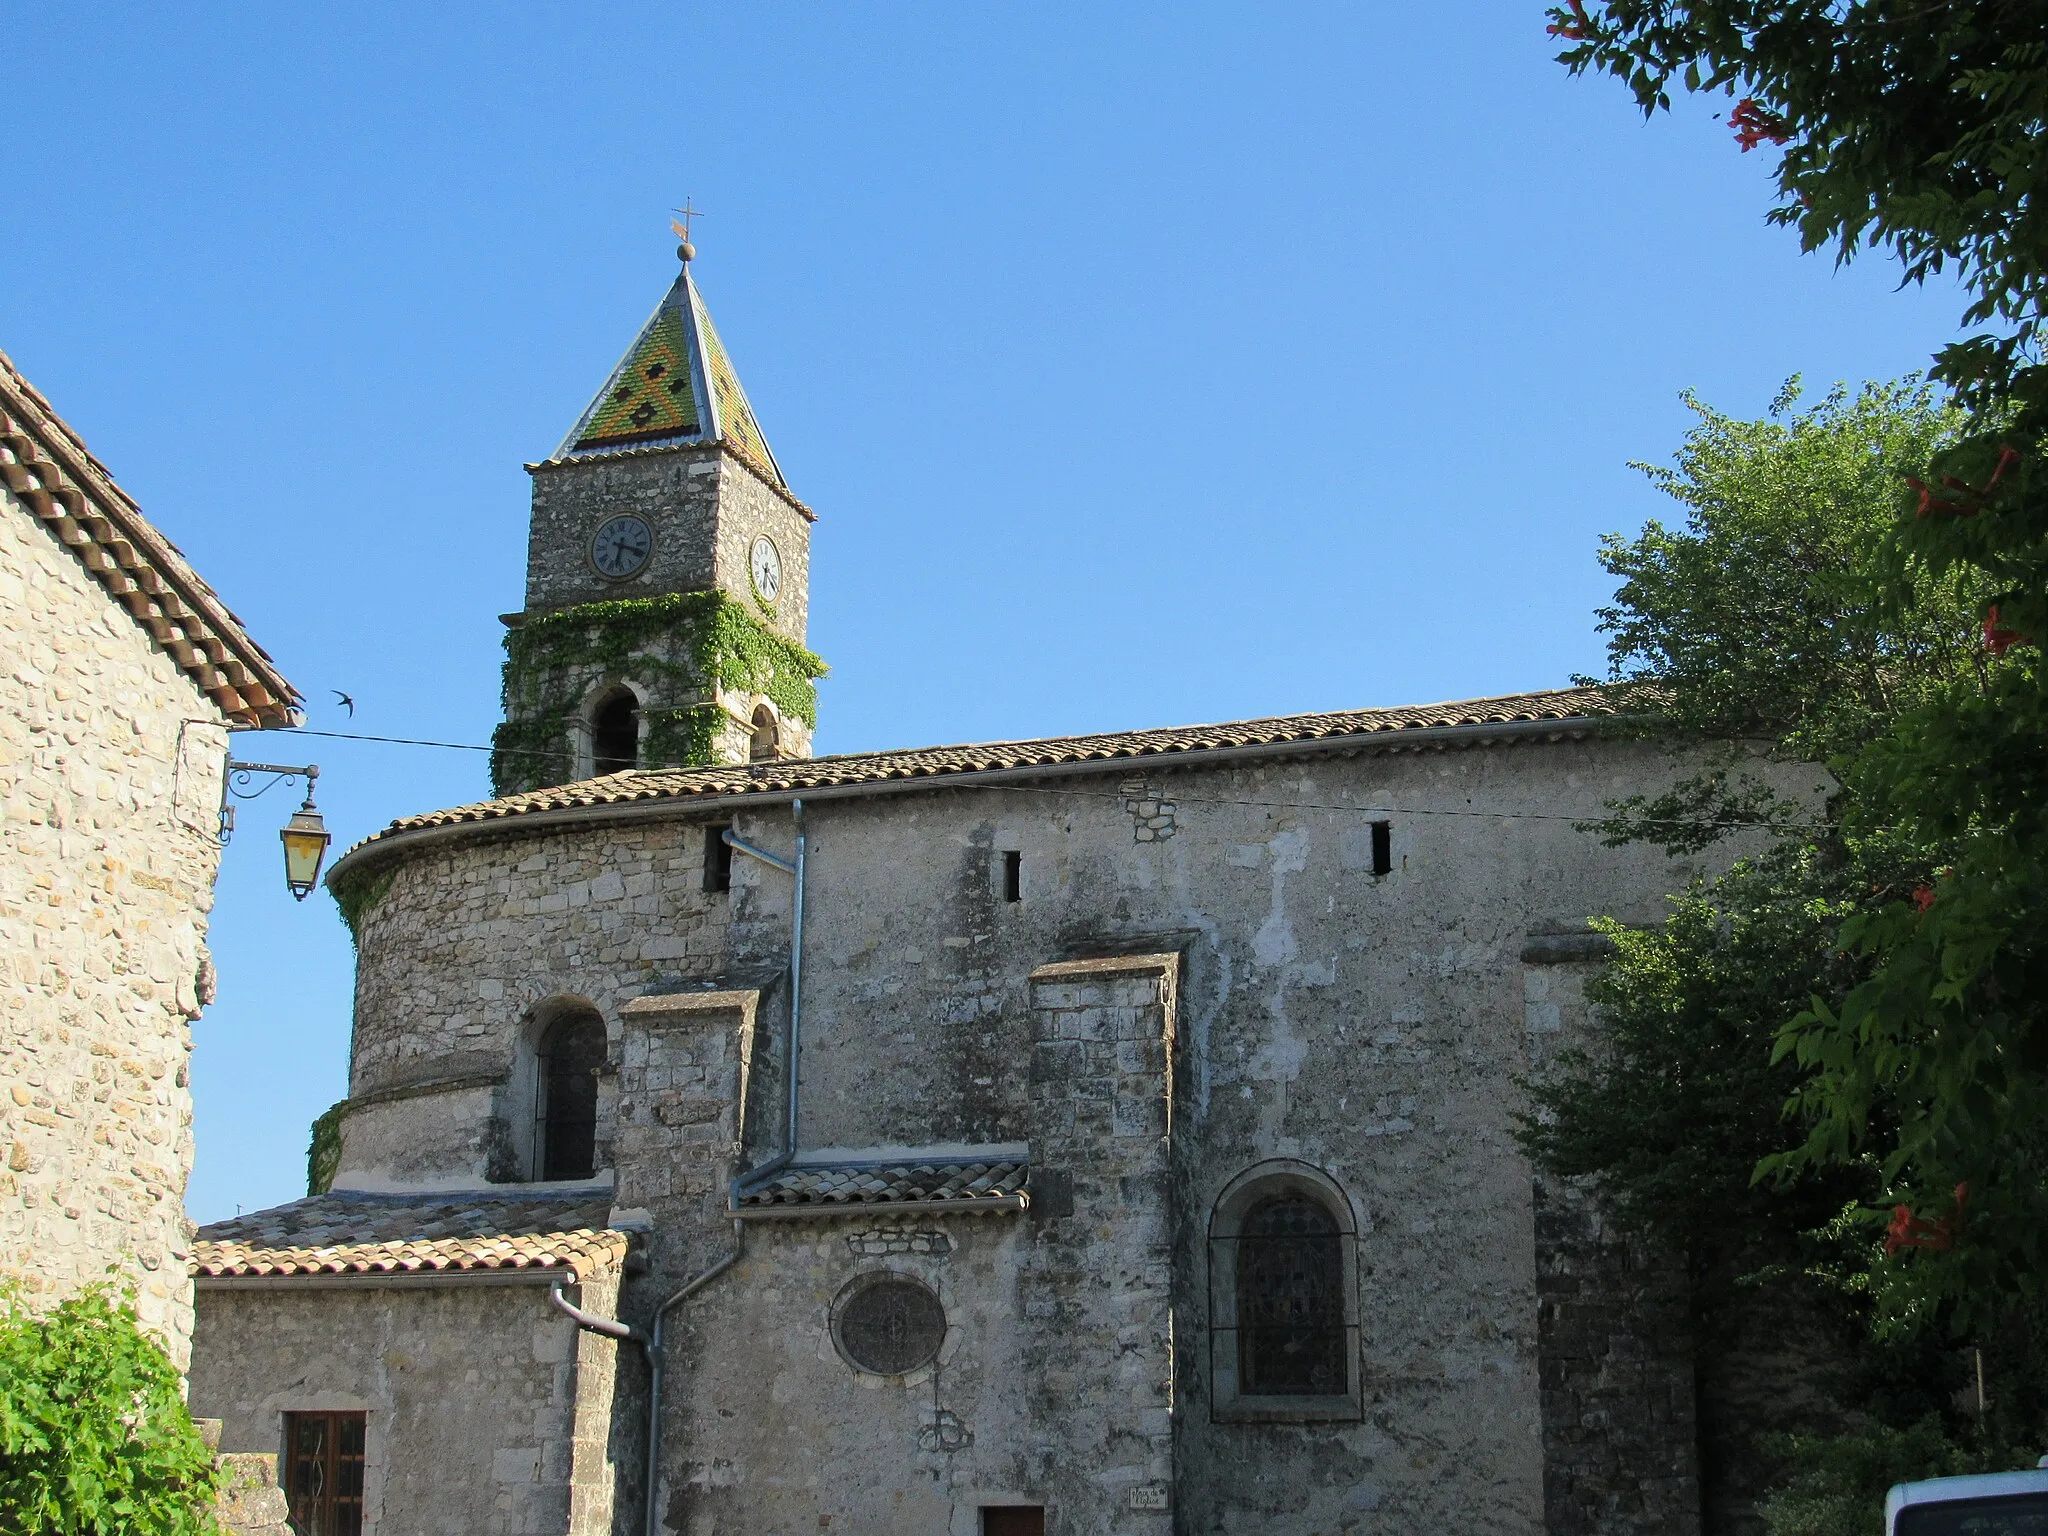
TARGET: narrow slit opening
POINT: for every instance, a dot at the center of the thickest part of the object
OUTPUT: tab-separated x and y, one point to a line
717	859
1382	847
1013	875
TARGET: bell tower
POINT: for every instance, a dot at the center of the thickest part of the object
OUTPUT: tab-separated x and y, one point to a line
667	577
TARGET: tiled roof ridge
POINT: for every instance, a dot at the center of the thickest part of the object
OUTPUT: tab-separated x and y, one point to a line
1564	707
582	1252
48	467
932	1183
348	1232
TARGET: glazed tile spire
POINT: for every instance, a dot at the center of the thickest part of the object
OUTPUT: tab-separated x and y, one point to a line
674	387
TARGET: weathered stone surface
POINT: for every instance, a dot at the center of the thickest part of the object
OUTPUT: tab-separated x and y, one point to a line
251	1503
1367	1026
706	509
461	960
487	1411
110	763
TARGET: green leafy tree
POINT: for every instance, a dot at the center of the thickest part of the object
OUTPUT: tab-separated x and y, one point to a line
1772	617
94	1437
1918	129
1762	620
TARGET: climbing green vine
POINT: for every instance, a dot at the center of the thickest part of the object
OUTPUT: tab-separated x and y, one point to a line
682	645
323	1150
355	893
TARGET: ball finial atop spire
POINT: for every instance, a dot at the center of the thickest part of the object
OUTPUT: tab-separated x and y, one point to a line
685	252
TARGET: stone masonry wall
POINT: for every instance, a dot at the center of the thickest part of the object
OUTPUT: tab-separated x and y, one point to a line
686	1064
706	510
110	762
676	492
459	958
486	1409
747	509
1370	1025
1097	1285
1613	1328
1620	1454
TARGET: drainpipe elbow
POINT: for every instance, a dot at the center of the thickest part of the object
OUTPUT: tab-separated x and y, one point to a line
610	1327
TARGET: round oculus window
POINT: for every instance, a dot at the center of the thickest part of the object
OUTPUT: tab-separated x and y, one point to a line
890	1326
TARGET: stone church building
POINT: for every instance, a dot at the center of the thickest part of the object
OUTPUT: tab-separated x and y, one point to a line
1101	1136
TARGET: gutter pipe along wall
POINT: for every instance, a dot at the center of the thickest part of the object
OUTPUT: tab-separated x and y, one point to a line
654	1342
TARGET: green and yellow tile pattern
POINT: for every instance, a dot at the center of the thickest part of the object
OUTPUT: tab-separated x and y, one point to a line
652	396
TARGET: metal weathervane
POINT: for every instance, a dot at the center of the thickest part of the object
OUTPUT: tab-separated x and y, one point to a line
681	225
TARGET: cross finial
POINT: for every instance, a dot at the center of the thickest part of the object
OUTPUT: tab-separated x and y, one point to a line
682	229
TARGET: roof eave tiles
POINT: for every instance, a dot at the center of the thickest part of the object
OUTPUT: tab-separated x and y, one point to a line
48	467
838	1210
1556	714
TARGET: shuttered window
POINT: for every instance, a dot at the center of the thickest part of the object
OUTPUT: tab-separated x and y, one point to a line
324	1472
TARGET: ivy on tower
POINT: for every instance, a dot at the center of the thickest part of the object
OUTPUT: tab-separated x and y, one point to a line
668	574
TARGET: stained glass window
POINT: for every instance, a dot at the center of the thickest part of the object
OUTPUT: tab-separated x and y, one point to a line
1290	1301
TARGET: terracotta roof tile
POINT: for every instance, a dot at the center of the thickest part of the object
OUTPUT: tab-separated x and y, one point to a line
1568	707
362	1234
48	467
835	1188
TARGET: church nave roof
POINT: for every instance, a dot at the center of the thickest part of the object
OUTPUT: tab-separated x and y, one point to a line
1556	713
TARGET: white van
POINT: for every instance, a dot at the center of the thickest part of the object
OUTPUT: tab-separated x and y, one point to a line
1995	1504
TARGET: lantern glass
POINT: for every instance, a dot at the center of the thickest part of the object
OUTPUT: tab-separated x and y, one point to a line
305	845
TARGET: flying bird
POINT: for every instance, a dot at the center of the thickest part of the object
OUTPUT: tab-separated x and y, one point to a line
347	703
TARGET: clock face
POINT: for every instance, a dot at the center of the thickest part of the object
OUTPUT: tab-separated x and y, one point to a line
620	547
765	566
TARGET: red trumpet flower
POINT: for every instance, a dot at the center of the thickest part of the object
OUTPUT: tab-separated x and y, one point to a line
1937	1234
1577	29
1752	125
1997	638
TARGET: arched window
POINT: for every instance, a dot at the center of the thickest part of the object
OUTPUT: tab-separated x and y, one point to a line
572	1049
1283	1297
767	740
1290	1300
615	732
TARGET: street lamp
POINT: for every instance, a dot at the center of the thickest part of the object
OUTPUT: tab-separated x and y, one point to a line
305	835
305	845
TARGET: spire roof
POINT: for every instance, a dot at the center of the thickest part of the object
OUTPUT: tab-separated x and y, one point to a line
675	386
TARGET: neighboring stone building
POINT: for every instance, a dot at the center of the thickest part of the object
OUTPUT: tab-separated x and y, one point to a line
1102	1136
121	675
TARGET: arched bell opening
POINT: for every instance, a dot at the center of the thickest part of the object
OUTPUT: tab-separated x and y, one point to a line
765	745
615	732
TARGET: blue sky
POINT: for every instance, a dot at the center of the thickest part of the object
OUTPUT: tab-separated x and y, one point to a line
1146	364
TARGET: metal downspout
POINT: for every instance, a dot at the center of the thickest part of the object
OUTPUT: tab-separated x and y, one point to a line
657	1370
653	1345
